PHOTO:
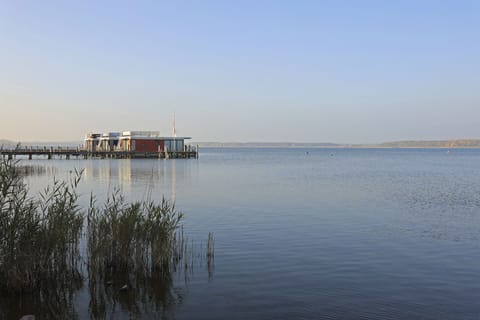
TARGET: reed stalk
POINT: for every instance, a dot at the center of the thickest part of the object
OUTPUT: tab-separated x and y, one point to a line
133	245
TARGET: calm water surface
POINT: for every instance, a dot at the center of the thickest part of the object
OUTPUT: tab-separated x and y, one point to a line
313	233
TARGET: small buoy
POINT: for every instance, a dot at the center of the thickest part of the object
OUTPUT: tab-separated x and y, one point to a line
125	287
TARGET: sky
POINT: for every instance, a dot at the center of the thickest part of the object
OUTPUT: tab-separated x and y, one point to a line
244	71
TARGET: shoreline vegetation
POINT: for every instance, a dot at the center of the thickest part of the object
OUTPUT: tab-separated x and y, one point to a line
126	252
454	143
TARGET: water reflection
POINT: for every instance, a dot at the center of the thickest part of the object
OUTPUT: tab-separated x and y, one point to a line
133	293
151	295
118	293
55	299
131	175
320	236
35	170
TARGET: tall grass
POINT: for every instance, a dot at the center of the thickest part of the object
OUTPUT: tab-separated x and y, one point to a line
137	236
132	248
38	237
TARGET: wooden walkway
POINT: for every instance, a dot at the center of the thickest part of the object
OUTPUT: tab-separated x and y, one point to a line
78	153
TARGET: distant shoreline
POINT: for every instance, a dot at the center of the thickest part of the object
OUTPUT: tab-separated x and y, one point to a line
333	147
420	144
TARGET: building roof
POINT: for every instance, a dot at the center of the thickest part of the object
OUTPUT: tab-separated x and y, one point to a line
150	135
154	138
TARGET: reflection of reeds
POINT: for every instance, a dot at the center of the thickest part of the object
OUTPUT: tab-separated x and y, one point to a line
210	255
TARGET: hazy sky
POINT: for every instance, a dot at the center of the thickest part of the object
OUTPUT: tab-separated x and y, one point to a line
319	71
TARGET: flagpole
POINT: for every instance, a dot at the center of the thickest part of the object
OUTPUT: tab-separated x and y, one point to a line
174	129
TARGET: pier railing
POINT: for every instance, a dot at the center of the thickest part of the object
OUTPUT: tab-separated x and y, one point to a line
63	152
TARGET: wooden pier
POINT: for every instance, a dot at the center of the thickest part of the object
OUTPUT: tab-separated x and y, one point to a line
80	153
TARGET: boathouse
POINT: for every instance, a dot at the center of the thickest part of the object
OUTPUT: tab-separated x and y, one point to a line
134	141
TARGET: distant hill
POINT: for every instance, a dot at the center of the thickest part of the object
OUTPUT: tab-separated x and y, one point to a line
267	145
459	143
52	143
7	143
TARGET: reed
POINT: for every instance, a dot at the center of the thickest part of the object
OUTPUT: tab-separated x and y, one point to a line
38	237
131	247
137	236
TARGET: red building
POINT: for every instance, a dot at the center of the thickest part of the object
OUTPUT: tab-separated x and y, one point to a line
150	141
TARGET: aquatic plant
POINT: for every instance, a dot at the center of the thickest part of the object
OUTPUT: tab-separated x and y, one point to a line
135	248
38	237
132	249
137	236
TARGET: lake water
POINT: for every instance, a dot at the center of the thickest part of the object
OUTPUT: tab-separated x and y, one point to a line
311	233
